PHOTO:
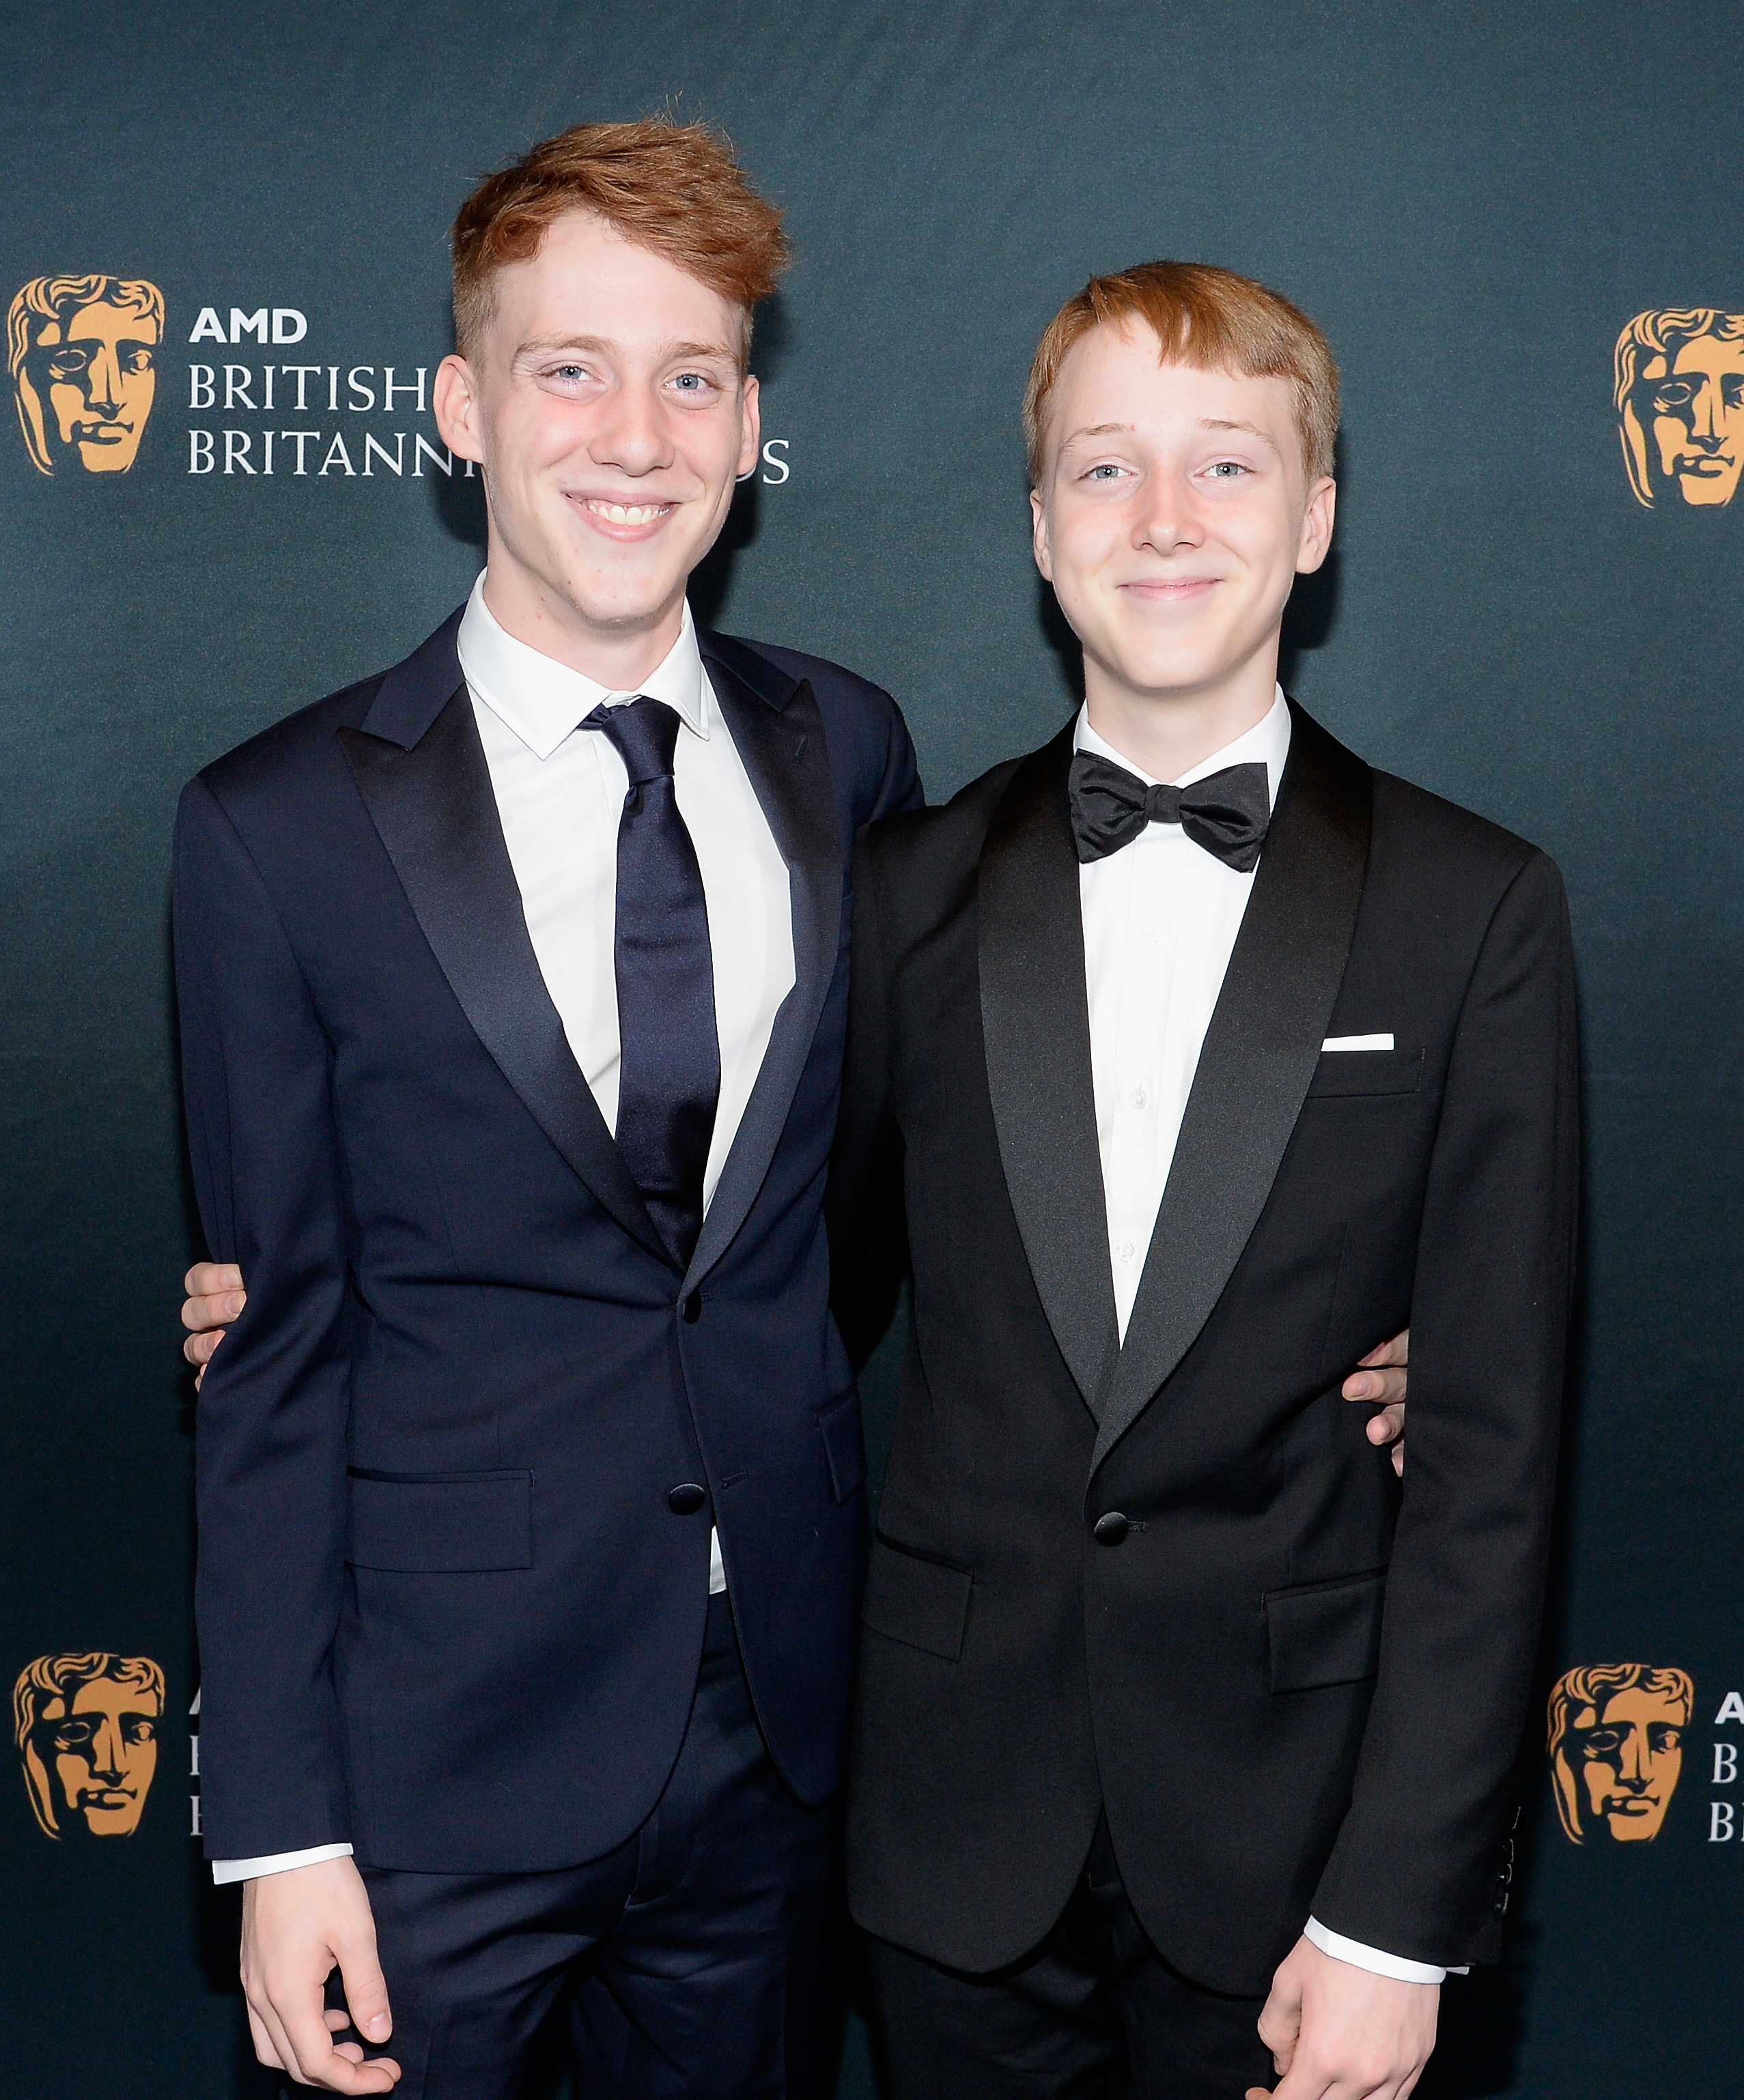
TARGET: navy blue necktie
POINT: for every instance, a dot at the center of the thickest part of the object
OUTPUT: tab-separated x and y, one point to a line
669	1078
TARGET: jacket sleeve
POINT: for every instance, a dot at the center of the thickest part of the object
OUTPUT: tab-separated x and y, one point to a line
1420	1866
863	1199
897	784
271	1418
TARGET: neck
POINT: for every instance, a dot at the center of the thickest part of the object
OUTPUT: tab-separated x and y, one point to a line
1168	730
616	654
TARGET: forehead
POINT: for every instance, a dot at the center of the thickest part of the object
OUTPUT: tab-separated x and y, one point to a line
110	324
1707	353
1635	1705
1116	375
585	279
105	1695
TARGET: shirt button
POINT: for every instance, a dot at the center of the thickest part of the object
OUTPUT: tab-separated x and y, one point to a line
1125	1249
1138	1097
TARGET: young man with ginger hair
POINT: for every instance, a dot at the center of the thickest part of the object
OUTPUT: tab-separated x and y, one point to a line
1199	1052
513	984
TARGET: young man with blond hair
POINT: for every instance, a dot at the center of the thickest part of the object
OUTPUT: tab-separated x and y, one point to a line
1199	1052
513	984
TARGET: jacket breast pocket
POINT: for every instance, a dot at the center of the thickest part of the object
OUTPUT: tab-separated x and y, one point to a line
920	1601
441	1524
1351	1072
844	1444
1328	1633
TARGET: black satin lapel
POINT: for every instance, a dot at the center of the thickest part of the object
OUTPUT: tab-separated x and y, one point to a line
784	751
436	813
1259	1057
1035	1020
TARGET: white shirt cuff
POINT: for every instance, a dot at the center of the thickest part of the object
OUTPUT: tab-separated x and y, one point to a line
1371	1958
275	1863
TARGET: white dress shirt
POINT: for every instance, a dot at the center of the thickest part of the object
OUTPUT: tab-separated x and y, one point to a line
1160	919
560	793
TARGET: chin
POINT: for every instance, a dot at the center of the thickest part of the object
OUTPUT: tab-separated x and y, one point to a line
623	601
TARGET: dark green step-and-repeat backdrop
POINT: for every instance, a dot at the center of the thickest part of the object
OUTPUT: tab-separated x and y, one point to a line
1522	228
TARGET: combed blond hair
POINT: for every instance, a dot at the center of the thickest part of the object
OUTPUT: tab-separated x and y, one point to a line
675	188
1205	317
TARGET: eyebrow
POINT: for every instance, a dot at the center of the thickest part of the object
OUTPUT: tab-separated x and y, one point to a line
1096	430
539	346
1206	423
1253	430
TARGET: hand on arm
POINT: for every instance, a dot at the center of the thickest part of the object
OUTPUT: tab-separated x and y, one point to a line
1339	2032
1380	1375
215	1296
297	1928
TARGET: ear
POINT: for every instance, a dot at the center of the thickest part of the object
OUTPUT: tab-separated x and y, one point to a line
1039	545
751	428
1317	526
454	400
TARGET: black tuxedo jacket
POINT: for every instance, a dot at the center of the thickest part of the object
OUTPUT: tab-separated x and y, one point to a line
446	1611
1294	1686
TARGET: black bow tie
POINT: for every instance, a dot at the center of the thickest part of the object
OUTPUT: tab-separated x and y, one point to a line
1227	813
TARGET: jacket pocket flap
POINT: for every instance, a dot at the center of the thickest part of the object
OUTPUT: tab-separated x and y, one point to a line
922	1603
1368	1072
844	1444
1327	1635
441	1524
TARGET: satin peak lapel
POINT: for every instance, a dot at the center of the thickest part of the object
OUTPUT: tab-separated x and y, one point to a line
433	807
1259	1057
1035	1023
778	731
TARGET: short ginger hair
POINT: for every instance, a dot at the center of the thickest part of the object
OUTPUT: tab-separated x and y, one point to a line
1205	317
675	188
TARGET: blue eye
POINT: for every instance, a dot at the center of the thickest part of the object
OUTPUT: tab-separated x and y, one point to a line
1228	470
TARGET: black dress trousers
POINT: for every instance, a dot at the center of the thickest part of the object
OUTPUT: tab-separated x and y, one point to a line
1093	2014
700	1959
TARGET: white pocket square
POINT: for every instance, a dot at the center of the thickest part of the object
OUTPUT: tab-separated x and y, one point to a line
1356	1042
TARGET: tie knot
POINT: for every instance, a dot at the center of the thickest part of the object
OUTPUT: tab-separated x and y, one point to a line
1163	805
645	734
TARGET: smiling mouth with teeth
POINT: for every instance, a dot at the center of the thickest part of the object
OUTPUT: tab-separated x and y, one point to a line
627	513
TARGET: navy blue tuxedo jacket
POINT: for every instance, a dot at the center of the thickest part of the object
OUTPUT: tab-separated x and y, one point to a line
446	1610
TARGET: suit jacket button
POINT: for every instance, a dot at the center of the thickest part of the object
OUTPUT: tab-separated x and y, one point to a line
686	1498
691	1310
1110	1528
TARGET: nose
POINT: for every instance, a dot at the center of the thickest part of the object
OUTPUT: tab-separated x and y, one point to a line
105	371
1632	1763
1168	518
106	1755
1704	421
632	435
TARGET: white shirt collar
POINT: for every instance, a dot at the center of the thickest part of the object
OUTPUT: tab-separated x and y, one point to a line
542	701
1267	743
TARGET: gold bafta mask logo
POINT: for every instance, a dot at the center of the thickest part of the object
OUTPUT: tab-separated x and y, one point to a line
1617	1749
83	356
87	1727
1681	403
